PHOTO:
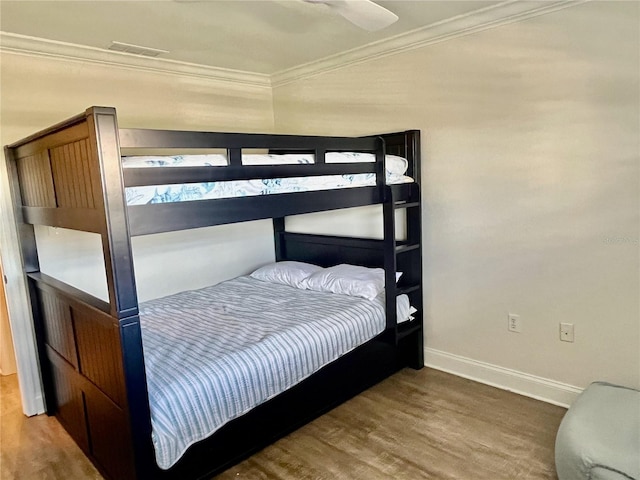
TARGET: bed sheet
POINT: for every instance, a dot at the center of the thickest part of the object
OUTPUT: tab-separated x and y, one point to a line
396	168
213	354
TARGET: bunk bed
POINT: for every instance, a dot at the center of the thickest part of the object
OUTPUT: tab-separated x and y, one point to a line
93	363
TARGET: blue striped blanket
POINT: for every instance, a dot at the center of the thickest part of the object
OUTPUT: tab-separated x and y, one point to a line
213	354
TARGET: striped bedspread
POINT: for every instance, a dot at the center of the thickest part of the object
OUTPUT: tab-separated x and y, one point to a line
213	354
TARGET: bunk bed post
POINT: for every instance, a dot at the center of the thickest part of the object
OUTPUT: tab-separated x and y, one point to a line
116	242
390	265
278	230
414	234
26	232
406	255
29	253
389	236
412	147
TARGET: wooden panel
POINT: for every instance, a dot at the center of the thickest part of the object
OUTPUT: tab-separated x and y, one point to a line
36	183
68	131
98	343
69	404
110	440
73	175
327	251
58	327
83	219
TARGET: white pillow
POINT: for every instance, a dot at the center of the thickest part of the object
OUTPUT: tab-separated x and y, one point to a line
404	310
347	280
395	165
287	272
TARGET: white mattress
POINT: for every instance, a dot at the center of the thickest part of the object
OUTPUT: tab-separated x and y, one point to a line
395	170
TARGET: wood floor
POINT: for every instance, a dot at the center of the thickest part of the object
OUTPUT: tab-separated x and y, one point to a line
415	425
36	447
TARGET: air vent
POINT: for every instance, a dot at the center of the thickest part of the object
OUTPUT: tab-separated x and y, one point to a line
136	49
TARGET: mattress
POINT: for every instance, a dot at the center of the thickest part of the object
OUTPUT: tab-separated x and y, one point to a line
213	354
396	168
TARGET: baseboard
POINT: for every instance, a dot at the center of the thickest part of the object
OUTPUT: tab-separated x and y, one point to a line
543	389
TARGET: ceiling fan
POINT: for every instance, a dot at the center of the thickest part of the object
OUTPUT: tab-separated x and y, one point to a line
365	14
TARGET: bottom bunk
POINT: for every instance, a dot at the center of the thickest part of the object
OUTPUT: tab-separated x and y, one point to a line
327	388
213	354
229	368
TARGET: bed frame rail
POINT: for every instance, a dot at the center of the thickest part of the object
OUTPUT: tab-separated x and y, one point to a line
176	139
234	143
326	250
163	217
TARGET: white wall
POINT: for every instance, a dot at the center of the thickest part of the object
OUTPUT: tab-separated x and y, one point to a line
530	182
37	92
530	188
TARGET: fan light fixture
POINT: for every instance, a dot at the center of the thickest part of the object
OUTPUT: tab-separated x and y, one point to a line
363	13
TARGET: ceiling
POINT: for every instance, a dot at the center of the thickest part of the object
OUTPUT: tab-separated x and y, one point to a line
263	37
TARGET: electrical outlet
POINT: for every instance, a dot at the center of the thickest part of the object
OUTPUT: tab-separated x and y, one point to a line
515	324
566	332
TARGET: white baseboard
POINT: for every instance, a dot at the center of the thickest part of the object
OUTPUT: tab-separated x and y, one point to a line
549	391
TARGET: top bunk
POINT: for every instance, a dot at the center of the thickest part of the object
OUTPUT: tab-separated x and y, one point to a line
87	174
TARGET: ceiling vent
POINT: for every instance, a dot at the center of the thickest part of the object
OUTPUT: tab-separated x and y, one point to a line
136	49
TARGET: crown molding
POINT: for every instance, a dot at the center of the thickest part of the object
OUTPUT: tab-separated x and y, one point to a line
39	47
503	13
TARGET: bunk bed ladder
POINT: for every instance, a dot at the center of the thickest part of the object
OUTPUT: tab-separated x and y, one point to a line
404	256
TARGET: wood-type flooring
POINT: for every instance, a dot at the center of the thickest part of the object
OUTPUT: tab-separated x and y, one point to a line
415	425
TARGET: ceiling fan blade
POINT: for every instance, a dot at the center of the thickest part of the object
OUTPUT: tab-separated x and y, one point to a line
363	13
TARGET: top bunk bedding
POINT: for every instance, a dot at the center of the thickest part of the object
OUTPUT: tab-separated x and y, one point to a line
395	167
72	175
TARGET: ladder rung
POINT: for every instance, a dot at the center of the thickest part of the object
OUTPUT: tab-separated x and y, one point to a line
405	204
407	289
407	248
407	328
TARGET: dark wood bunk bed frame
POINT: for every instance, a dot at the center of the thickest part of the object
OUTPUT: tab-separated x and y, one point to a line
91	357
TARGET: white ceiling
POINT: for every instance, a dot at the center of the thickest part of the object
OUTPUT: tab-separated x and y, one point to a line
265	37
